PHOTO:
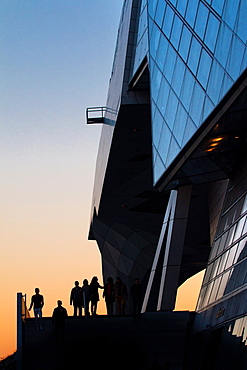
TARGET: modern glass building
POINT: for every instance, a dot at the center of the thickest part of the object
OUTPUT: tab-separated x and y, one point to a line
170	194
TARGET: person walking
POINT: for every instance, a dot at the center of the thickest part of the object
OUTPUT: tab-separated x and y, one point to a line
94	294
37	302
58	319
136	293
108	295
120	295
75	299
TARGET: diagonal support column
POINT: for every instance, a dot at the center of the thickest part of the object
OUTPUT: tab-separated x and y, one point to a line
175	222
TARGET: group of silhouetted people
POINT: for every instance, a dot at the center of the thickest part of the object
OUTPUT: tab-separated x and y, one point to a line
82	297
87	296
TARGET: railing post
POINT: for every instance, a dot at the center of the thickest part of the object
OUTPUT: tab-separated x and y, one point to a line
19	332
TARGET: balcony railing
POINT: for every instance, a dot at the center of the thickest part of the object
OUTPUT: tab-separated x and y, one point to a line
95	115
101	115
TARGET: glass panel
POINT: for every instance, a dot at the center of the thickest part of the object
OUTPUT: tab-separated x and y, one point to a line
239	228
167	23
161	54
152	7
197	104
208	273
157	127
223	44
231	282
180	124
207	108
207	294
241	274
159	168
245	227
215	82
163	96
187	89
230	12
170	63
215	289
231	255
160	13
174	149
155	82
234	64
223	285
171	109
191	12
164	142
211	32
230	236
241	250
222	262
215	268
244	206
218	6
201	20
241	28
189	130
195	51
181	7
178	76
176	31
226	84
185	43
204	68
214	249
222	242
154	41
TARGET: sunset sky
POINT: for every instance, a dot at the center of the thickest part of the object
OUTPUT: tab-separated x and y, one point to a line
55	61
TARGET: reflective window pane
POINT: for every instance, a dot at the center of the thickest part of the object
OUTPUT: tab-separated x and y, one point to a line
204	68
185	43
168	20
201	20
176	31
195	51
191	12
212	32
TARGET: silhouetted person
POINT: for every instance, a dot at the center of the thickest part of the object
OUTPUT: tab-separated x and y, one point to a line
108	295
136	293
120	295
94	294
85	296
58	319
37	302
75	299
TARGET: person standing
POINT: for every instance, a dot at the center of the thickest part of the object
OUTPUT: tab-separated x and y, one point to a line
75	299
58	319
108	295
136	293
121	296
94	294
37	302
85	296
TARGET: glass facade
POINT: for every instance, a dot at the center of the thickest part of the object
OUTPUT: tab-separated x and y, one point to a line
226	273
192	47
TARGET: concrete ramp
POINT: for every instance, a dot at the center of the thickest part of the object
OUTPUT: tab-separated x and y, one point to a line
159	340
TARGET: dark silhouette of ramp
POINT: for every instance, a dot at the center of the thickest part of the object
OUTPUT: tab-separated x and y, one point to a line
159	341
